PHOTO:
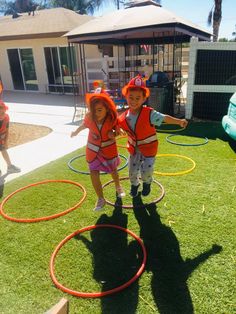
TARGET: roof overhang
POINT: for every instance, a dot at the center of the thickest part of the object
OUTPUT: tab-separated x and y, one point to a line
165	33
32	36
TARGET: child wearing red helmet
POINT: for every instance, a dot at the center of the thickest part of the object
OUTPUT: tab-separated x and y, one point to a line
4	133
101	149
139	123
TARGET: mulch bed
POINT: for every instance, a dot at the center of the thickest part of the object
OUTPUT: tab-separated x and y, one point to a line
20	133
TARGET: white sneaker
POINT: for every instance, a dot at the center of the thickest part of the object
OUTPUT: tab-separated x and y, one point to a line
12	169
120	192
100	204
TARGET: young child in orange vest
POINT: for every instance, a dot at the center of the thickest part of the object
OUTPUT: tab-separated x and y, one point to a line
139	123
101	149
4	133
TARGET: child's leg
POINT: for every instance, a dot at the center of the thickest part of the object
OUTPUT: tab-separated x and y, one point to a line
147	169
97	185
115	177
146	174
119	189
10	167
135	162
6	157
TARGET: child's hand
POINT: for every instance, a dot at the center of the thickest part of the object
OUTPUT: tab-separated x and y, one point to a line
111	134
74	133
122	132
117	130
183	123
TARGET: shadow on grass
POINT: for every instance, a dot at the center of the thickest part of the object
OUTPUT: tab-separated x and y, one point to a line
211	130
169	271
2	181
121	261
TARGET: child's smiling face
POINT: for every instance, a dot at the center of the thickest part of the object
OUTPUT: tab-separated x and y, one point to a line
135	98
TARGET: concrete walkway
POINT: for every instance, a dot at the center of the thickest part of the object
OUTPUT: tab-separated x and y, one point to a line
53	111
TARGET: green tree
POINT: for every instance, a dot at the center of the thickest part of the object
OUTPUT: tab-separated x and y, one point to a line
223	39
214	18
19	6
234	34
80	6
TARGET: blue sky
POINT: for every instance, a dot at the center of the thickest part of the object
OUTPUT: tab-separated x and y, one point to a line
197	12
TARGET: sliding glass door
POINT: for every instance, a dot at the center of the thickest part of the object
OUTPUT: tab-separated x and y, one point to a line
61	64
22	68
15	68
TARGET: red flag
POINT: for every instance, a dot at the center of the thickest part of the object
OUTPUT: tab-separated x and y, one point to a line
145	47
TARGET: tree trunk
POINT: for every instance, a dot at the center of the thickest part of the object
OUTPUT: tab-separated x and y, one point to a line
217	19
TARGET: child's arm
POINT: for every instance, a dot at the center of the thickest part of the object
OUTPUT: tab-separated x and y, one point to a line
79	129
171	120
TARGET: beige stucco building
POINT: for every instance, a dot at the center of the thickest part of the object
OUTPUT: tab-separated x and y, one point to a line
34	54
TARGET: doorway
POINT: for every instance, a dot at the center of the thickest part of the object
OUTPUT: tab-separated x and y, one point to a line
22	69
61	66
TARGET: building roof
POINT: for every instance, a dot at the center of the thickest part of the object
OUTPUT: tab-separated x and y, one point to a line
144	23
44	23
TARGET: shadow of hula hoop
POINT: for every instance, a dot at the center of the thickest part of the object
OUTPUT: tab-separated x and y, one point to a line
87	172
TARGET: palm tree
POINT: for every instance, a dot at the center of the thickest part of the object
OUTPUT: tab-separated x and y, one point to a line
80	6
214	18
19	6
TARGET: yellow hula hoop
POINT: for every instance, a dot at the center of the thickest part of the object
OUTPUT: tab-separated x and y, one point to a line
174	130
176	173
118	138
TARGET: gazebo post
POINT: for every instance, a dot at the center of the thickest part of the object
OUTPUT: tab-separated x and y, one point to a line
153	43
72	80
83	75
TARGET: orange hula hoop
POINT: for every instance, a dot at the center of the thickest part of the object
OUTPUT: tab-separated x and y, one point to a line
46	217
104	293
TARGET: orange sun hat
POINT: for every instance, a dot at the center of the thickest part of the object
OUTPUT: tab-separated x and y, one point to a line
136	82
100	93
2	104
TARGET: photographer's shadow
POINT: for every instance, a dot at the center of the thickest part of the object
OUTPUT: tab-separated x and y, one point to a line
120	262
169	271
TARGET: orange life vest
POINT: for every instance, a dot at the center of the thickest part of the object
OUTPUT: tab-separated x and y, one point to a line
144	134
98	140
3	129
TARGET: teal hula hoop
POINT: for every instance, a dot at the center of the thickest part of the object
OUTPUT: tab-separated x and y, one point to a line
87	172
185	144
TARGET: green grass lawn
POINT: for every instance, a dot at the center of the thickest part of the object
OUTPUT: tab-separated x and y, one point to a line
189	236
